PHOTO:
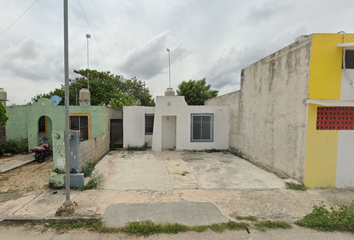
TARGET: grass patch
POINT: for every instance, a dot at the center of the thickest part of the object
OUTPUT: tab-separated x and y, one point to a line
301	187
248	218
138	148
339	217
212	150
93	183
88	168
148	228
261	226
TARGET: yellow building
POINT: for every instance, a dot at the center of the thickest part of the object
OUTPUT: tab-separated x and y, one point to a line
294	114
330	123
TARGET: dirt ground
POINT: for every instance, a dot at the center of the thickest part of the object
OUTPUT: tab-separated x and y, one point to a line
30	177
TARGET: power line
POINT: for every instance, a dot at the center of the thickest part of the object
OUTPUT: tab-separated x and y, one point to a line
93	33
18	18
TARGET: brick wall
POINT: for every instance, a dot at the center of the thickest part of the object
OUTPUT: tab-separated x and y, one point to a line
93	149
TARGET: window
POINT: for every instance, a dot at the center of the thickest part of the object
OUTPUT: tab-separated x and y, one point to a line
349	59
202	127
149	124
335	118
42	125
82	124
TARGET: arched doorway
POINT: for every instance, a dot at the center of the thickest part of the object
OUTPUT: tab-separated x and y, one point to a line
44	130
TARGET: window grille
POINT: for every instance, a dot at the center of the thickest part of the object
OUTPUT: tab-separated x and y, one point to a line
335	118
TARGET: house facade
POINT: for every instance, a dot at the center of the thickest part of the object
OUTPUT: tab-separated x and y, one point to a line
36	122
294	112
172	124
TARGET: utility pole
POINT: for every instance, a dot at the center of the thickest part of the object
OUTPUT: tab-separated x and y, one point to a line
66	71
169	66
88	71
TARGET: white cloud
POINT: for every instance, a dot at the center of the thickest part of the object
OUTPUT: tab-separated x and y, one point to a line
32	60
149	60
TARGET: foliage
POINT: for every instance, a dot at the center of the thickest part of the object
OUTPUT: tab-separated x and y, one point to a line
93	183
301	187
88	168
106	89
339	217
148	228
212	150
3	117
248	218
137	148
261	226
13	146
196	92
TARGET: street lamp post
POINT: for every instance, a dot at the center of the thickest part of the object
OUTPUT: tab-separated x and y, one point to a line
169	66
88	72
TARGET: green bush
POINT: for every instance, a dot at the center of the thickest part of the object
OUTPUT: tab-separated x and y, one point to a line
138	148
339	217
88	168
13	146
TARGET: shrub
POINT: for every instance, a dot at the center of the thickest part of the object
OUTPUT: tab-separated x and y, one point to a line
339	217
13	146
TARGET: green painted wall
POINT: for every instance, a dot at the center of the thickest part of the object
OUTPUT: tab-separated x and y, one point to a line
16	126
23	120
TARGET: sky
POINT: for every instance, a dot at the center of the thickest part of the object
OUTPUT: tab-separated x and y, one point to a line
212	39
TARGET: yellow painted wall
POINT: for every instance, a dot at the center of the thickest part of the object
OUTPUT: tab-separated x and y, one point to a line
321	153
325	66
324	83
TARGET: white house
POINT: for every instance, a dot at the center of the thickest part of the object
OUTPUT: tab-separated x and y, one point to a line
174	124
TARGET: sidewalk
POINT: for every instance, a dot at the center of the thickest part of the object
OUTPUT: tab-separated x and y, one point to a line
279	204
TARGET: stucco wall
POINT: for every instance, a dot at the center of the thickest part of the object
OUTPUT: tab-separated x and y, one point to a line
232	100
176	106
16	126
271	128
23	120
133	126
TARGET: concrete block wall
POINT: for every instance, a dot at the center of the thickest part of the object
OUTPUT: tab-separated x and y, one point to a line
93	149
268	115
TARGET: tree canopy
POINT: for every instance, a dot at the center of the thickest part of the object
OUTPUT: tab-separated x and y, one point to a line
106	89
196	92
3	117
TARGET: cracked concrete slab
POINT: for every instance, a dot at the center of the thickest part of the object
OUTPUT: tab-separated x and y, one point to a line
188	213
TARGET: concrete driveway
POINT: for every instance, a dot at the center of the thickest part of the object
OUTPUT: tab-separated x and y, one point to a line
182	170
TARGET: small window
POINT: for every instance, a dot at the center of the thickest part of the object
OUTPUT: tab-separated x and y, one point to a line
349	59
149	124
80	123
42	125
202	127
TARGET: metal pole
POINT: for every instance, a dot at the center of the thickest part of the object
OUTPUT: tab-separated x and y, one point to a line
169	66
66	70
88	71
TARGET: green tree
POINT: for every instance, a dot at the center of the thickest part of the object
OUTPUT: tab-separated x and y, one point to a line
3	117
106	89
196	92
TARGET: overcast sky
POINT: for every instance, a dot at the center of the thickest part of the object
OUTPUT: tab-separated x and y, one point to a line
214	39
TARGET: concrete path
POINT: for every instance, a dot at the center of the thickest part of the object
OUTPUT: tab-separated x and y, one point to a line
135	170
187	213
182	170
17	163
